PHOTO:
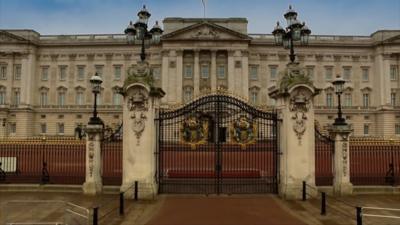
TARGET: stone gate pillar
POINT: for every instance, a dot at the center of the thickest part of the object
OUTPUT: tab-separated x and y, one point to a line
141	104
295	104
93	183
341	160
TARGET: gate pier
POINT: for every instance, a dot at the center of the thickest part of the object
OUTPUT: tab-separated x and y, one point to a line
141	103
295	104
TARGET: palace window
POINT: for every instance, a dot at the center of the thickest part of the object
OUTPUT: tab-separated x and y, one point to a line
17	72
253	72
393	99
328	73
365	74
43	128
273	71
188	73
347	73
45	73
16	96
81	72
13	128
116	98
117	72
366	129
366	100
60	128
394	72
187	94
2	95
3	72
99	70
43	98
329	100
221	72
205	71
347	100
310	72
397	129
61	97
80	99
254	92
63	73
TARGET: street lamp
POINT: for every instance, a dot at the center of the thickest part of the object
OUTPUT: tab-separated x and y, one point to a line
295	31
338	83
138	31
95	81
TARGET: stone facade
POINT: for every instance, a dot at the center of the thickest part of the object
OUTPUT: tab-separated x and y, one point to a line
45	90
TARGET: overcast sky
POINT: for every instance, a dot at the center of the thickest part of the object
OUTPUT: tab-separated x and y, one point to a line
341	17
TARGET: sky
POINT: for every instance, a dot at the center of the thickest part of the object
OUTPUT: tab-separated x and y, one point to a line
323	17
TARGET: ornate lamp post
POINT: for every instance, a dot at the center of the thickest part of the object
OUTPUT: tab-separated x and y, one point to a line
95	81
138	31
295	31
338	83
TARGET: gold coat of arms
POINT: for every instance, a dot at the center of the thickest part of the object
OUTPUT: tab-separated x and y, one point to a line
243	131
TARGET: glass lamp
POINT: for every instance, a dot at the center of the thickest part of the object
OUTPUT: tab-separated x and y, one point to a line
338	83
278	34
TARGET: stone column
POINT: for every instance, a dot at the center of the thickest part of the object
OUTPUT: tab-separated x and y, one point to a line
341	160
213	70
165	72
295	105
245	74
179	74
231	71
196	78
93	183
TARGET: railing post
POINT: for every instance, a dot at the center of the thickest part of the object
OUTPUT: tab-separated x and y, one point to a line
121	203
359	215
95	215
323	203
304	197
136	190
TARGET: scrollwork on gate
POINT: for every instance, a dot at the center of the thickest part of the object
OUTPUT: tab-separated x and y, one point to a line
243	131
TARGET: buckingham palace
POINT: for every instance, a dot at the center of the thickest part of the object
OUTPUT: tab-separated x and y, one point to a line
45	88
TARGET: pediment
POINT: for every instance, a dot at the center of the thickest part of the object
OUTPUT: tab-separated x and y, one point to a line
393	40
205	31
6	37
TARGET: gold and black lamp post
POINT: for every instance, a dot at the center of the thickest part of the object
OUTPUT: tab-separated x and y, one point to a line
295	31
139	32
338	83
95	81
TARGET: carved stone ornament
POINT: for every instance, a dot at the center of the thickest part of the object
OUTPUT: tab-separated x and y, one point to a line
299	105
141	73
344	157
243	131
194	130
206	32
91	158
138	105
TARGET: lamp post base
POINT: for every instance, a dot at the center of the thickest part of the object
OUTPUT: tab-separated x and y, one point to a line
340	122
95	121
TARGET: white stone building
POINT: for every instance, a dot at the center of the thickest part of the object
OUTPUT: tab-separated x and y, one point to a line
45	90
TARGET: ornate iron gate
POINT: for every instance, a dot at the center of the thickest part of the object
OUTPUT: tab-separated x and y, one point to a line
324	149
217	144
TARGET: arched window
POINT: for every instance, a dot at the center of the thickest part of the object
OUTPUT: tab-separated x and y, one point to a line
348	97
117	98
366	97
329	95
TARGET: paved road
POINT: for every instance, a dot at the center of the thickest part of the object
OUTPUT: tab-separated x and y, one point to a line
225	210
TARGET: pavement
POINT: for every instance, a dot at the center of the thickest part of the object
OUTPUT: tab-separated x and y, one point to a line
197	209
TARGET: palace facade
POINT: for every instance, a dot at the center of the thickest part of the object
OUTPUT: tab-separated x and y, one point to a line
45	89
